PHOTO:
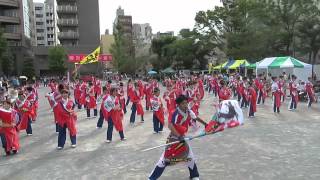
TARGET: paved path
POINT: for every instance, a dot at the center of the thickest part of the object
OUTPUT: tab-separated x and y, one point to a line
268	147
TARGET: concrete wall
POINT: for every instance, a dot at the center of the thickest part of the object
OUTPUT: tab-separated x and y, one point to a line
89	25
41	61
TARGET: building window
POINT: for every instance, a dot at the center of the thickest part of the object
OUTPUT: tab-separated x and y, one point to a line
40	38
39	23
38	8
39	15
40	30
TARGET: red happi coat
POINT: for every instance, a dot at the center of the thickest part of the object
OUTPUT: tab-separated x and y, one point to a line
36	102
170	98
102	108
24	109
129	89
97	87
310	91
141	88
10	133
77	93
224	94
83	89
181	120
68	116
201	88
136	98
116	115
277	93
148	89
56	99
90	99
195	101
121	97
189	94
31	97
157	108
293	90
252	98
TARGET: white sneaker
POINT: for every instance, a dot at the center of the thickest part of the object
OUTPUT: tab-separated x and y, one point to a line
73	145
29	134
195	178
108	141
98	127
59	148
123	139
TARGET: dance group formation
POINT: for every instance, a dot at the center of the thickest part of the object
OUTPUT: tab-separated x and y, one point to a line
182	97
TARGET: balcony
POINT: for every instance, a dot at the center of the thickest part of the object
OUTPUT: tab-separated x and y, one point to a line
67	9
9	20
12	36
68	35
50	25
9	3
68	22
65	1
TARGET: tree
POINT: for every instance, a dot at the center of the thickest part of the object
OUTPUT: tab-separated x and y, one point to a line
121	50
287	15
28	68
162	47
309	34
7	62
57	56
3	44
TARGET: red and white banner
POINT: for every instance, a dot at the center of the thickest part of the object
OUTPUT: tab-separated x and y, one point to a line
76	58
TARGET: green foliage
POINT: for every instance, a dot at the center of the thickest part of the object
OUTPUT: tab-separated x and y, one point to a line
254	29
57	56
7	62
122	52
28	68
309	34
185	52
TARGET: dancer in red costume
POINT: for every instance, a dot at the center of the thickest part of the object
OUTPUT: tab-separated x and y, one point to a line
293	93
252	96
276	92
8	129
225	92
67	120
115	114
135	98
310	92
180	152
158	112
91	102
53	98
23	106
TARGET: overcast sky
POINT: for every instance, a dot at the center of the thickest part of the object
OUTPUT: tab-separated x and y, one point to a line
163	15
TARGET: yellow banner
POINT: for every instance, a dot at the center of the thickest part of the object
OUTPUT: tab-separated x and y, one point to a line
210	68
91	58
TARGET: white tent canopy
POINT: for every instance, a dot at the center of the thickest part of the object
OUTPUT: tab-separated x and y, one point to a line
277	65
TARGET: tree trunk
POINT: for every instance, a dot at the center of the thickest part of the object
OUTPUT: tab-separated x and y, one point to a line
310	58
315	53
